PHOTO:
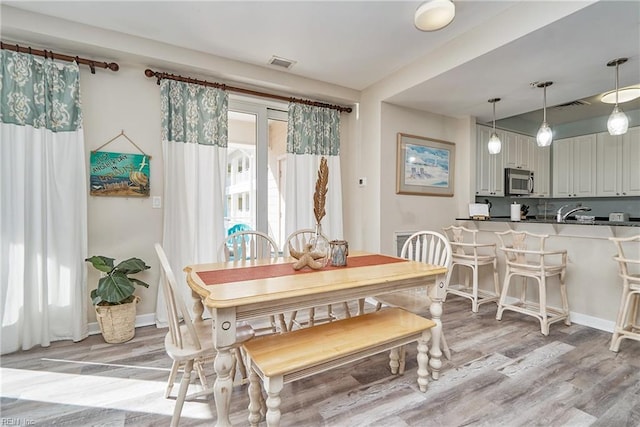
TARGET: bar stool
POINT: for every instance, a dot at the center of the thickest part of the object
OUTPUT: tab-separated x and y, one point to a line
627	325
526	257
468	254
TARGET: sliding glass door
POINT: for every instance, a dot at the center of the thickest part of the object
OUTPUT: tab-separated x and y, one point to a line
255	168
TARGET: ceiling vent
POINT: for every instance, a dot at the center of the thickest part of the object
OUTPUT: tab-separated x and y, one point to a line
281	62
577	103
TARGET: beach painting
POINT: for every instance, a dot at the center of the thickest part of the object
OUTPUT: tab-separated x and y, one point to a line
119	174
424	166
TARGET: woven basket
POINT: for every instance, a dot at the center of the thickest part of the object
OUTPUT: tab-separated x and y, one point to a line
117	322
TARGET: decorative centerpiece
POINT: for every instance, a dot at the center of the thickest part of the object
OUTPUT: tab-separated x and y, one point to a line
317	252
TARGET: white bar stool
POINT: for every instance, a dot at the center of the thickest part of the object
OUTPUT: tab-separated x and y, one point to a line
526	257
468	254
629	270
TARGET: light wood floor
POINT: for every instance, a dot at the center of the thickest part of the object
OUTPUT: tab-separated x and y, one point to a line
501	374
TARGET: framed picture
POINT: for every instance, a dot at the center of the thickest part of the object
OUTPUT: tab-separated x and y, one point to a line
425	166
119	174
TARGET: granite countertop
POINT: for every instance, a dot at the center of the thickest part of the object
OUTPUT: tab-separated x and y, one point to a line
633	222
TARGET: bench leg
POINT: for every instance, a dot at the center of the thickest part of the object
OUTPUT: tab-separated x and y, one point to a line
273	386
255	395
394	360
423	361
436	338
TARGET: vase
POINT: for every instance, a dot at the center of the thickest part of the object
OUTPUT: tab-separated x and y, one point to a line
320	244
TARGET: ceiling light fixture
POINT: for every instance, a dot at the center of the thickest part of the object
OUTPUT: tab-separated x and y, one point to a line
494	145
434	15
545	135
618	122
624	95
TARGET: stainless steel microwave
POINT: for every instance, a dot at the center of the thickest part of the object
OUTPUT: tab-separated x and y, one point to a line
518	182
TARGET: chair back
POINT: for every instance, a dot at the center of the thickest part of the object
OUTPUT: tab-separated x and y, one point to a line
465	245
248	245
527	250
176	308
298	240
429	247
628	257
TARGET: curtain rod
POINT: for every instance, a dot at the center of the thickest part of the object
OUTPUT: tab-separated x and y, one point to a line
51	55
159	75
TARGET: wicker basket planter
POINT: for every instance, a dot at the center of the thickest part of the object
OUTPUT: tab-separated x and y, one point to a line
117	322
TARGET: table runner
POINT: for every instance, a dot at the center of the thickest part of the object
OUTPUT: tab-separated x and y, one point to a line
242	274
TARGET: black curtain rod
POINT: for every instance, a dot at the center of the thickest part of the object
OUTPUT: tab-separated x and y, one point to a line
160	76
51	55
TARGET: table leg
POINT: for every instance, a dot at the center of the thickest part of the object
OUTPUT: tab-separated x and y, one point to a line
224	336
436	332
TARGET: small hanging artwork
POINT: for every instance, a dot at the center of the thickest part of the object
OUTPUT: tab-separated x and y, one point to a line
119	174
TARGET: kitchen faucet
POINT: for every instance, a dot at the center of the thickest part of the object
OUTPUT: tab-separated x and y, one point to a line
563	217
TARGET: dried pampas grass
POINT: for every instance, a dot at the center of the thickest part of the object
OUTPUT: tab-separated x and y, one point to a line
320	195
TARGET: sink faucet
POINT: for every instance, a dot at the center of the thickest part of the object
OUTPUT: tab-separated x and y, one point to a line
563	217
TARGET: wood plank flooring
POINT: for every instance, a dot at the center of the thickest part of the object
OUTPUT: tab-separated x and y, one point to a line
502	373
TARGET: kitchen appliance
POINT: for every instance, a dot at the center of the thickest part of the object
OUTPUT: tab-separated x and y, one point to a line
518	182
618	217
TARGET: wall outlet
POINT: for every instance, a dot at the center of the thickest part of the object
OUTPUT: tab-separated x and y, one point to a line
362	182
156	202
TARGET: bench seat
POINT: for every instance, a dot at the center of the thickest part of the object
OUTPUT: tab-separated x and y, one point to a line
283	358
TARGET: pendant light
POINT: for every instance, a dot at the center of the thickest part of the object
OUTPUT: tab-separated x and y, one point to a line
434	15
618	122
494	145
545	135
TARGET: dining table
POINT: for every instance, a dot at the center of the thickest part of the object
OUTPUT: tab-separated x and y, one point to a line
252	289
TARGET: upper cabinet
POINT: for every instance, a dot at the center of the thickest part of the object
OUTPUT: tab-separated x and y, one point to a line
518	151
489	167
541	170
618	164
574	167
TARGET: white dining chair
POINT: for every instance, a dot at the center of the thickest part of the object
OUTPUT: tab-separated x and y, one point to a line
251	245
432	248
189	343
298	240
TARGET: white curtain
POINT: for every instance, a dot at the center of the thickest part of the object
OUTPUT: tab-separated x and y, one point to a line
194	141
313	133
43	203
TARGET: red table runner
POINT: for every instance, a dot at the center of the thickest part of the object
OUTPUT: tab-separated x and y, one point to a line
242	274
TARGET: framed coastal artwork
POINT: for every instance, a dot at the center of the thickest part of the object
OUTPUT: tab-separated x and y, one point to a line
425	166
119	174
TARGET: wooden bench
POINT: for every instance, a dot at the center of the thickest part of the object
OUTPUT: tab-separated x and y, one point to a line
284	358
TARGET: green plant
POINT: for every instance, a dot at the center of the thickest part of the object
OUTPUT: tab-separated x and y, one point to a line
116	287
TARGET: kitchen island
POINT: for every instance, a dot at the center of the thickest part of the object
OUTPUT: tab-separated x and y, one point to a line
593	284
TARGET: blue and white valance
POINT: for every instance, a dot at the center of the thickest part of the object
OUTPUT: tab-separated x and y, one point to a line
313	130
193	113
39	92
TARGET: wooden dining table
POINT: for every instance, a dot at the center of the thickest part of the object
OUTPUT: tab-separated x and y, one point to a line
244	290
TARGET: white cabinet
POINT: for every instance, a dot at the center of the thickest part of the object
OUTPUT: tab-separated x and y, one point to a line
574	167
518	151
541	171
489	167
618	164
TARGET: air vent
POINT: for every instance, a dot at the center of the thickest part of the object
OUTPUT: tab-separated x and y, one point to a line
281	62
577	103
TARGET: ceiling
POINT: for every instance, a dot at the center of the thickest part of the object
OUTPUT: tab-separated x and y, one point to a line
355	44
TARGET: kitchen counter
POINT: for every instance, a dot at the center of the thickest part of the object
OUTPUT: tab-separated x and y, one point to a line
633	222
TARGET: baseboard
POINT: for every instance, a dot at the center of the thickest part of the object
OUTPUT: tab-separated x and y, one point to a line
141	320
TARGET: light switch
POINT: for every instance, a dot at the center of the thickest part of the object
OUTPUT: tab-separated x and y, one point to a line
156	202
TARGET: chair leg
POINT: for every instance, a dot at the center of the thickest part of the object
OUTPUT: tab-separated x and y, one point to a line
503	295
544	320
474	301
241	365
172	378
445	347
182	394
292	320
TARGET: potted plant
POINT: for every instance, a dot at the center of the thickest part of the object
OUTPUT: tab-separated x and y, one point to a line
114	300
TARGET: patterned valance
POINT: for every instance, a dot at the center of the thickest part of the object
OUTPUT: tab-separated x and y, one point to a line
193	113
313	130
39	92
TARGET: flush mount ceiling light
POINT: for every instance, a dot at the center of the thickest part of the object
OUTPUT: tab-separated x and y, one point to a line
545	135
624	95
494	145
433	15
618	122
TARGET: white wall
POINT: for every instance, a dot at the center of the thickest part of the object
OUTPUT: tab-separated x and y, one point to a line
401	212
124	227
